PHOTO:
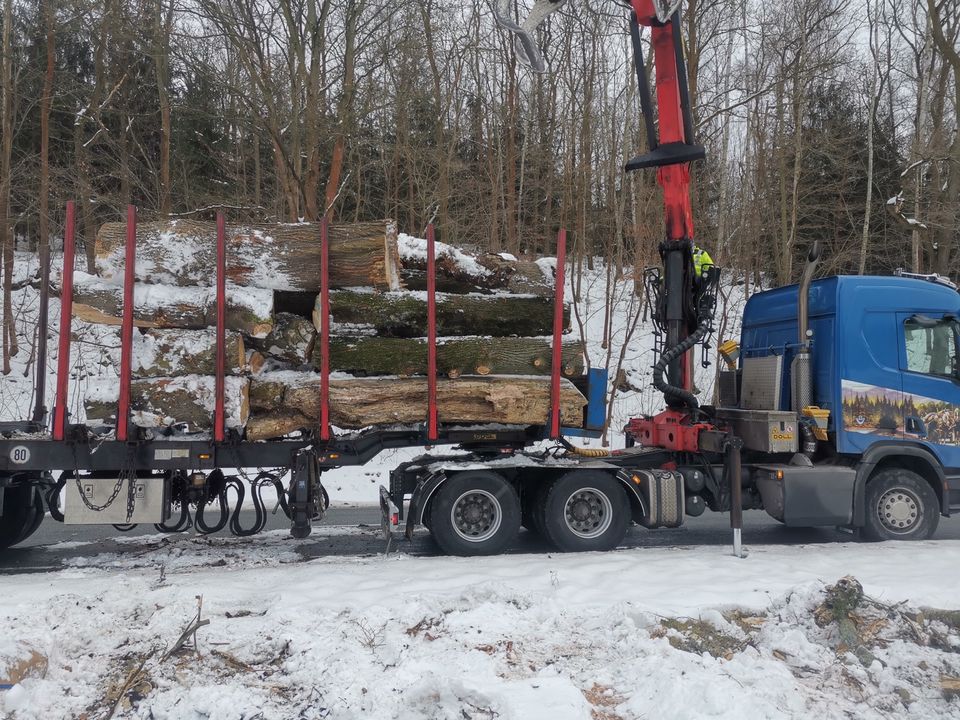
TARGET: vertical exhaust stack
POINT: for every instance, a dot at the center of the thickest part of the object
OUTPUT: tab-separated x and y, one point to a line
801	373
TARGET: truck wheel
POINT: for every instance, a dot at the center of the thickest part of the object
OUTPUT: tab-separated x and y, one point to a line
585	510
901	505
532	507
475	513
23	512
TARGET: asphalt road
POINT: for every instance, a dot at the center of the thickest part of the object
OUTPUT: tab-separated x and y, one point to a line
54	543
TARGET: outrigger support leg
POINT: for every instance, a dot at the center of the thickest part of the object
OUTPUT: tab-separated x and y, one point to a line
306	494
733	472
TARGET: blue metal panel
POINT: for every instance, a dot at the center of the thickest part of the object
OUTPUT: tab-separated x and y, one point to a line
596	398
596	413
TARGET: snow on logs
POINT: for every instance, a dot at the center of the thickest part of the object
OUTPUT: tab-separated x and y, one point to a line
494	319
273	257
162	402
459	272
249	310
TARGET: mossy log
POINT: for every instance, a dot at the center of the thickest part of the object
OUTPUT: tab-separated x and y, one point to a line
249	310
161	402
491	272
290	340
290	401
271	256
455	356
167	353
404	315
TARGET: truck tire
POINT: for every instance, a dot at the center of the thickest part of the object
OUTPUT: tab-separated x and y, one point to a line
901	505
23	511
475	513
532	507
585	510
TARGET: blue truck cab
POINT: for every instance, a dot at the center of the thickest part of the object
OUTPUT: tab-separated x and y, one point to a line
884	363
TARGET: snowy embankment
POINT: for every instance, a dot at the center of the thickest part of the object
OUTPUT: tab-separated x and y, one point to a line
646	633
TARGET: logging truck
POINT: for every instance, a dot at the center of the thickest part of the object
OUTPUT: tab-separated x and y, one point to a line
838	405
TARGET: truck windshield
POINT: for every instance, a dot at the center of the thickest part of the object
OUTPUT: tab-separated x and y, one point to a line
931	346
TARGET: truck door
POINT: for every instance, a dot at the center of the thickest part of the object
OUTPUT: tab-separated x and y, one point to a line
929	352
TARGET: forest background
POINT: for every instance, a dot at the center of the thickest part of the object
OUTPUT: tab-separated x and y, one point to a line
823	121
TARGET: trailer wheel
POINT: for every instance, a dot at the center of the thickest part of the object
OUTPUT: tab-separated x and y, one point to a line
23	512
475	513
585	510
901	505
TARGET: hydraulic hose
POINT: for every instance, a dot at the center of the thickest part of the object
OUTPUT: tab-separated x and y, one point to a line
201	525
259	510
52	498
216	485
183	522
669	355
584	452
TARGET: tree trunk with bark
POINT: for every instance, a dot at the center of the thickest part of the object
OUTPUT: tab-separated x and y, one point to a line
290	340
162	306
404	315
161	402
290	402
169	353
277	257
488	272
455	356
6	170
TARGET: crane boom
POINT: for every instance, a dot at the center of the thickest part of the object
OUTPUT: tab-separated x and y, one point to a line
683	302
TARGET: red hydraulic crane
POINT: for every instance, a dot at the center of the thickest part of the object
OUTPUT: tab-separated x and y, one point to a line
683	300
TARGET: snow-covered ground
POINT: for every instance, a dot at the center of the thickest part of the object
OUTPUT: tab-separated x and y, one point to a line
641	633
685	632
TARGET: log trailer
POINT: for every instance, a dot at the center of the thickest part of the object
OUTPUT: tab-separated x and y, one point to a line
840	406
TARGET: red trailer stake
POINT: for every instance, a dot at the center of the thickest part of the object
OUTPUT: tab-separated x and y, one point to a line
557	336
324	329
66	315
220	417
433	421
126	327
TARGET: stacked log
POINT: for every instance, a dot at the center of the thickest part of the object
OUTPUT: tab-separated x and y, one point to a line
281	403
494	322
458	271
186	401
274	257
249	310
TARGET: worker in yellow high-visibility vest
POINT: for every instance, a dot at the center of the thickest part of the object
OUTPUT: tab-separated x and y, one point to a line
701	260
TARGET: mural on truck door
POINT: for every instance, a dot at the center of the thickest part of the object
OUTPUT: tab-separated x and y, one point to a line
872	410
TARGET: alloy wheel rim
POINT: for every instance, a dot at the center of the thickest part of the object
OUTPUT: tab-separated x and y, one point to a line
588	513
899	510
476	516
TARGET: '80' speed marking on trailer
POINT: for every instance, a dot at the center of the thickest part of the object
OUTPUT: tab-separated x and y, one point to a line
20	455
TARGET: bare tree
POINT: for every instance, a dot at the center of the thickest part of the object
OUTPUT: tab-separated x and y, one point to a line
10	347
